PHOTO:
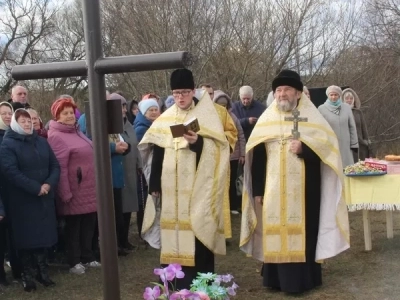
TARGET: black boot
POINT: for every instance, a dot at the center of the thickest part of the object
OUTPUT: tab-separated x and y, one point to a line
43	275
28	271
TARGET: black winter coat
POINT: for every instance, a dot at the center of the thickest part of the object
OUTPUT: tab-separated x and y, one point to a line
26	163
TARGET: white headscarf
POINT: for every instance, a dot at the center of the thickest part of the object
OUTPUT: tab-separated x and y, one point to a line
3	125
16	127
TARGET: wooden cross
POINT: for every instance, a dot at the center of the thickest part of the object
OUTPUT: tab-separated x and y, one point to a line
95	67
296	119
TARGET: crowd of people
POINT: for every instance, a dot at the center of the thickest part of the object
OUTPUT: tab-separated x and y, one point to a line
47	185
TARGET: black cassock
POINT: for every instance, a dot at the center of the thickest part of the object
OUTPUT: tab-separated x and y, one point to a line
204	258
294	277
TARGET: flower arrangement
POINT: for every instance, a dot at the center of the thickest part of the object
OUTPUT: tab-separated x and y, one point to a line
207	286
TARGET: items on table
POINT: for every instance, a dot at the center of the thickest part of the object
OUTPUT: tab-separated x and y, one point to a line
363	168
390	165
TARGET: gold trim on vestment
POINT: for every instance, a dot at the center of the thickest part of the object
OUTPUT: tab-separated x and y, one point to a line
184	260
192	198
283	242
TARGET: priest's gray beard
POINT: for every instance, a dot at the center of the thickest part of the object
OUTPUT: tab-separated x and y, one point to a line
286	105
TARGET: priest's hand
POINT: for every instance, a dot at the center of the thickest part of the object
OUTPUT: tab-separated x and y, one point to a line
295	147
259	199
191	137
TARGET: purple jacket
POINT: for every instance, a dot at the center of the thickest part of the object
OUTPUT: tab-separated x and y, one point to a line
76	192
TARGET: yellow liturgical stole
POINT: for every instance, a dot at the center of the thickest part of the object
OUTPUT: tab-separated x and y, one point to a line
192	198
275	231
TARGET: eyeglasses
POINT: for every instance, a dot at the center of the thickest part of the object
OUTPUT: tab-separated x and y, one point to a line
183	93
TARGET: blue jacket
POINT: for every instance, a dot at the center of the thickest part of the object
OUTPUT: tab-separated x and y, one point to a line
82	125
141	125
116	158
117	166
2	133
244	113
26	163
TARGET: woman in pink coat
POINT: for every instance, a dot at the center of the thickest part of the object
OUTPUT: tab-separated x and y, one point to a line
76	195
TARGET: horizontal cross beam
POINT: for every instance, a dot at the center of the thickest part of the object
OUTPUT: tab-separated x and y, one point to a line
107	65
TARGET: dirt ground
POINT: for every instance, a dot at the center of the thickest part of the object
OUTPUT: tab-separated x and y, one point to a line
355	274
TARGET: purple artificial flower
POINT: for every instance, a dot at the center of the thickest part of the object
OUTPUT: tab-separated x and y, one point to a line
166	274
177	269
184	295
232	289
227	278
152	293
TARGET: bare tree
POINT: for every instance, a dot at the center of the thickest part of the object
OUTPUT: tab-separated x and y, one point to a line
23	27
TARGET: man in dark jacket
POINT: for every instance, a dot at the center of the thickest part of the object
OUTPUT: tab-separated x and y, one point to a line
247	110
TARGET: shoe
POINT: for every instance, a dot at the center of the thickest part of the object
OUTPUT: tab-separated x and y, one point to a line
78	269
128	246
234	212
93	264
28	272
28	284
43	275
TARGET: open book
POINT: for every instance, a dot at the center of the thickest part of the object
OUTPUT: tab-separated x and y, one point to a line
179	130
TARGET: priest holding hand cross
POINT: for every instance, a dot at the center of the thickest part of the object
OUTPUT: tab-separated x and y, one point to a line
294	213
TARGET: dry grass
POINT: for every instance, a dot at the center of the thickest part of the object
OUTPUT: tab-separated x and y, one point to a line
355	274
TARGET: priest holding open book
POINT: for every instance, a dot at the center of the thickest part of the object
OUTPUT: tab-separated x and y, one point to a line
186	157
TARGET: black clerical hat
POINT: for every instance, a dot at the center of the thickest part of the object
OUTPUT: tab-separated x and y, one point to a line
289	78
182	79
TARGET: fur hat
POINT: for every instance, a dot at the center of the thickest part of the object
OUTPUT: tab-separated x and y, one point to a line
144	105
334	89
182	79
289	78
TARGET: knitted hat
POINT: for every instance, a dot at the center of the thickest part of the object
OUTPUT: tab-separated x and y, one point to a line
59	105
182	79
334	89
115	96
288	78
144	105
170	101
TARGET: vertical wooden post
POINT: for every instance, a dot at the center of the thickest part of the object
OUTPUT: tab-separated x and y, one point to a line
99	133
